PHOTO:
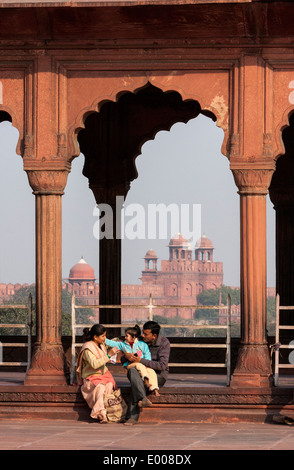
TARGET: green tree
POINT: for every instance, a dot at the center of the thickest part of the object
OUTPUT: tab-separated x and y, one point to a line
14	315
17	315
213	297
271	316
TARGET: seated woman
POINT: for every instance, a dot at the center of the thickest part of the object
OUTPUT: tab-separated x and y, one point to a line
92	374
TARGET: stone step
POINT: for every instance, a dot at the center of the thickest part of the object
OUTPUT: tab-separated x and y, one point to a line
175	404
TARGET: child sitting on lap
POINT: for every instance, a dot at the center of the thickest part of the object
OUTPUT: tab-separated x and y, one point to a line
132	344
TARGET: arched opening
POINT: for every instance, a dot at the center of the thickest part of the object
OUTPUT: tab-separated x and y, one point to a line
111	141
17	247
112	138
282	196
173	290
17	254
186	166
4	116
118	170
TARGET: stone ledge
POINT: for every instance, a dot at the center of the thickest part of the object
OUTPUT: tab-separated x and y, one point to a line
168	395
209	404
155	414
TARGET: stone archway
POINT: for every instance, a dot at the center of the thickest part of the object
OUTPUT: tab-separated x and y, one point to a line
111	140
281	192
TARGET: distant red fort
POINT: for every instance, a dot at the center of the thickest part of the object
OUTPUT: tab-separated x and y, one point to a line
179	281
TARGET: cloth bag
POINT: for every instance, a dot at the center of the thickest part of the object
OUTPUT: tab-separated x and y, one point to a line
115	406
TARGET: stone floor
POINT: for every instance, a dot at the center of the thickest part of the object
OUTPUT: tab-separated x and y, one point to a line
71	435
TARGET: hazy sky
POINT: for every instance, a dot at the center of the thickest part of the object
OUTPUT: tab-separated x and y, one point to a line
183	166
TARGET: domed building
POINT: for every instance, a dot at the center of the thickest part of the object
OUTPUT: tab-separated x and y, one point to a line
204	242
179	248
82	282
150	273
204	249
182	278
178	240
80	271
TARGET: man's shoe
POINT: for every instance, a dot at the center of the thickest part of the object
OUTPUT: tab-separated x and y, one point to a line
289	421
145	403
130	422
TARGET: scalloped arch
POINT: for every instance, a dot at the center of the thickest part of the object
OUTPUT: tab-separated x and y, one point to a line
214	107
15	124
284	123
217	109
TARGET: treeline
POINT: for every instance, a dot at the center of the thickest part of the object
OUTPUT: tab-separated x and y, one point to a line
211	297
214	297
17	315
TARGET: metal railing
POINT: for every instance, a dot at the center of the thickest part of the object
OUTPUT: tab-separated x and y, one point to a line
151	307
277	346
27	326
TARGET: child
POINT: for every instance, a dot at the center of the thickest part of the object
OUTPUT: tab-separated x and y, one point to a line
132	344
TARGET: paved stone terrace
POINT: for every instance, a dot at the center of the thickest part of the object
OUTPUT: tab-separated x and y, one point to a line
72	435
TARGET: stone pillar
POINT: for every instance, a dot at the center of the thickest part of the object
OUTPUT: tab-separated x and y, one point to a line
253	364
110	256
47	365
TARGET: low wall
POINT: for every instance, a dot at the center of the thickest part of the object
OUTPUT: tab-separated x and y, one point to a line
181	355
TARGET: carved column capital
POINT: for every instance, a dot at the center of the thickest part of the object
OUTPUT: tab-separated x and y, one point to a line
252	180
47	181
107	195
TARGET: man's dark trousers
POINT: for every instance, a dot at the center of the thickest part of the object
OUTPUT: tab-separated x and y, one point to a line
138	392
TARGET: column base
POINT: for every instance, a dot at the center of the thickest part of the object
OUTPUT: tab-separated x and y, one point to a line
251	380
46	379
253	367
47	367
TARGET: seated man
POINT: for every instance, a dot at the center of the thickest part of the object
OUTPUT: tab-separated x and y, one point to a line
160	350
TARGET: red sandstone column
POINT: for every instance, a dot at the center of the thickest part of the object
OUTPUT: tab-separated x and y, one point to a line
253	365
47	366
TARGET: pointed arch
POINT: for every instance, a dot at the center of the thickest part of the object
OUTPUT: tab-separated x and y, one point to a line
216	108
7	114
280	129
